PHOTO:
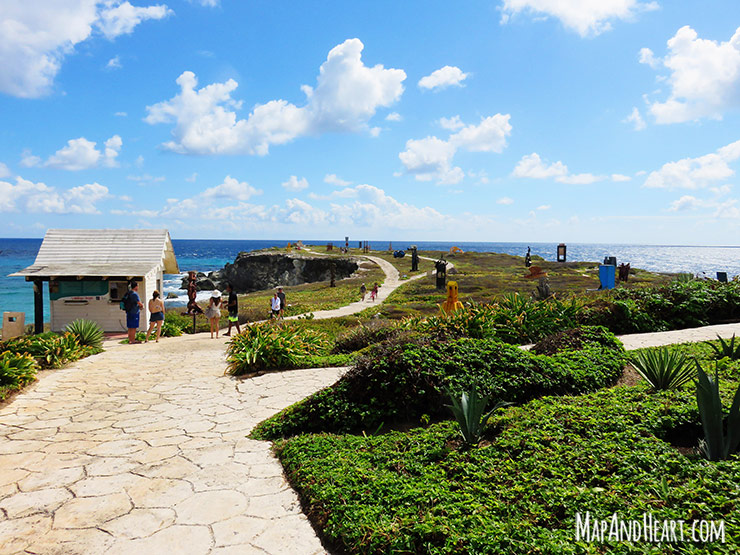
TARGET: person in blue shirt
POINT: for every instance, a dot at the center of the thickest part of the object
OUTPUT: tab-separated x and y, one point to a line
133	307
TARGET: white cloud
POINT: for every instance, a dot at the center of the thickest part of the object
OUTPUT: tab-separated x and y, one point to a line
704	77
635	119
120	114
618	178
696	173
114	63
120	18
295	184
232	189
451	124
192	178
79	154
393	116
587	18
375	131
505	201
208	3
442	78
686	202
533	167
347	95
4	171
544	207
145	179
35	37
332	179
26	196
580	178
488	136
648	57
431	158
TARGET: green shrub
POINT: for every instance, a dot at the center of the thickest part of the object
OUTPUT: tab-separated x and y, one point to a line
413	492
170	329
404	378
664	367
268	346
364	335
726	348
88	333
174	319
49	349
16	370
717	445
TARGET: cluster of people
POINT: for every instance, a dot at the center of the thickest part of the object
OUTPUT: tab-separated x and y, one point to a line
133	306
373	291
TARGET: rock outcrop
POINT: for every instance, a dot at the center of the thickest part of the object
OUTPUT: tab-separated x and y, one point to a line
259	270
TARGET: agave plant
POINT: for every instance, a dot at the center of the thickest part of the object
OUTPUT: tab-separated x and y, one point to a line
16	369
726	348
469	411
716	445
87	332
663	368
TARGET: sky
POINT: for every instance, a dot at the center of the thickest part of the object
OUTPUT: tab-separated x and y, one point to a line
590	121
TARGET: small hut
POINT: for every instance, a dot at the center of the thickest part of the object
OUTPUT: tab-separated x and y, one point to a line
88	271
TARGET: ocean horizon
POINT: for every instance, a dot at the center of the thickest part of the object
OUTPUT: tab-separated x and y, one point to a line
205	255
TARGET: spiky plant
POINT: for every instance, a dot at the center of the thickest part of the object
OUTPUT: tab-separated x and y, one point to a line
469	411
716	445
726	348
87	332
663	368
17	369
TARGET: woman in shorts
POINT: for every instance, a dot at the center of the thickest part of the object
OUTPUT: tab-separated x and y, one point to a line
213	312
156	315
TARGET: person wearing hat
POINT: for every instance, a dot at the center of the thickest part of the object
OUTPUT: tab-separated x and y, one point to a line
213	312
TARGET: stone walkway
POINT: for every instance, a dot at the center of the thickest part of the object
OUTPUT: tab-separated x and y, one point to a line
658	339
142	450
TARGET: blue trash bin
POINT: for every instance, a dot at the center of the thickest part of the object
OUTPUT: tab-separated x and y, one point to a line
607	276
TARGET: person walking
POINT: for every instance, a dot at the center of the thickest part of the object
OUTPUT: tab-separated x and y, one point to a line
133	306
213	312
374	292
232	304
275	304
156	316
363	291
281	296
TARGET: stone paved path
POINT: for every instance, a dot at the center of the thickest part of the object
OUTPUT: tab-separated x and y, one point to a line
142	450
658	339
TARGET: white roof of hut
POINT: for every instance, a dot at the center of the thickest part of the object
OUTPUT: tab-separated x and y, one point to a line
102	252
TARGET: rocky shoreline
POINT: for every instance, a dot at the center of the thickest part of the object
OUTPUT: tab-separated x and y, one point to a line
255	271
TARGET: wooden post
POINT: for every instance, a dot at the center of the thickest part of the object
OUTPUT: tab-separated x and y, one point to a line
194	315
38	306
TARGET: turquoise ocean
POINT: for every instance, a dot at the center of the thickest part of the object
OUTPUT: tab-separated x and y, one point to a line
16	294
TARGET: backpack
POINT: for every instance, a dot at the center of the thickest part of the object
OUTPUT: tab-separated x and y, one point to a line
125	301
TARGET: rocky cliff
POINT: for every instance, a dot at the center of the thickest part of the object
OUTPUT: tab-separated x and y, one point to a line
257	271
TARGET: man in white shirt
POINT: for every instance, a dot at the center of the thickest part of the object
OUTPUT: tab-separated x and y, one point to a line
275	304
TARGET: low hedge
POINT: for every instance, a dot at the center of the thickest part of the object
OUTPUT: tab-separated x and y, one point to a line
519	492
405	380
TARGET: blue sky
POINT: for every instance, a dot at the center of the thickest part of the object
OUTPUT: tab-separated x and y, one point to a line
509	120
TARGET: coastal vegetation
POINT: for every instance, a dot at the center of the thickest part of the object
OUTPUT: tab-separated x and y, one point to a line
22	357
381	467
